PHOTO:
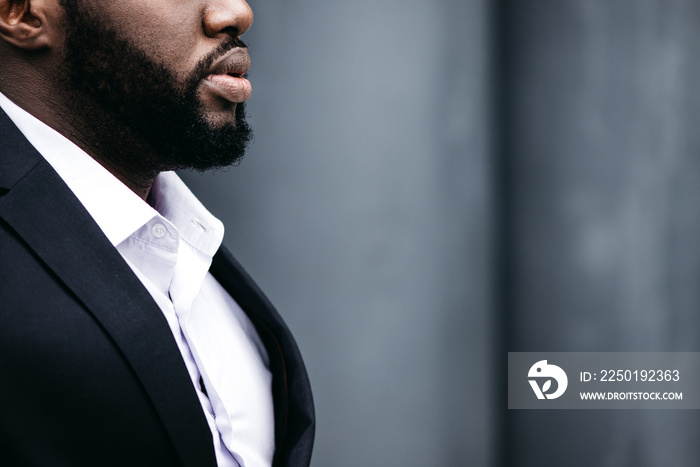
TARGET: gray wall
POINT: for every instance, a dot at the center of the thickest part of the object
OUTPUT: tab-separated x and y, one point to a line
363	212
435	183
604	195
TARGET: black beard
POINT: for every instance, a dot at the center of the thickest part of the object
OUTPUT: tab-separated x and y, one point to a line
154	122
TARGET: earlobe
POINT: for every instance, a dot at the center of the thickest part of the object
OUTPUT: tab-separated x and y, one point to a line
23	25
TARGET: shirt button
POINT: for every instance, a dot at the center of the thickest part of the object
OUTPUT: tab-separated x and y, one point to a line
158	230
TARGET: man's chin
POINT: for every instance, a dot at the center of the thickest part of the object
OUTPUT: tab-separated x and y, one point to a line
220	121
218	113
218	139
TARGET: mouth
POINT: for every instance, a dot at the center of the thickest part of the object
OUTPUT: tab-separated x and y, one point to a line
227	76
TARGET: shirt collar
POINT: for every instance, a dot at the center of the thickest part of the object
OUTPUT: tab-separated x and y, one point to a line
116	209
196	226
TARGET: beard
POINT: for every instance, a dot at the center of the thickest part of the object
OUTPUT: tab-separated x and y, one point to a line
142	118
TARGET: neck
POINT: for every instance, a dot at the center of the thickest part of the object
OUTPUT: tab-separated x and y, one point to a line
105	140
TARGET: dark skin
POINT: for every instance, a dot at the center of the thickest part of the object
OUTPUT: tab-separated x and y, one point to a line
177	34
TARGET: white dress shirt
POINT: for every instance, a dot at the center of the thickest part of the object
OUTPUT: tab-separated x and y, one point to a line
169	246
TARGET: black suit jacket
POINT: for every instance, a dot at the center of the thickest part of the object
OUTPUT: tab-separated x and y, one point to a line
90	374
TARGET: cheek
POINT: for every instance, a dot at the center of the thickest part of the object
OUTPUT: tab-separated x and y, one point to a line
168	32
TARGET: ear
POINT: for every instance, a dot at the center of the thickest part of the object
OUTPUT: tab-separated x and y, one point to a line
23	23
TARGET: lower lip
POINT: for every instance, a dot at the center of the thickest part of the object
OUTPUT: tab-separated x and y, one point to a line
231	88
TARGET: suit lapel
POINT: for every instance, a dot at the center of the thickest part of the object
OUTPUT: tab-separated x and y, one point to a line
45	213
294	409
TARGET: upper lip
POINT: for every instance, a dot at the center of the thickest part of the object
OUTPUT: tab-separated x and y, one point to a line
235	63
